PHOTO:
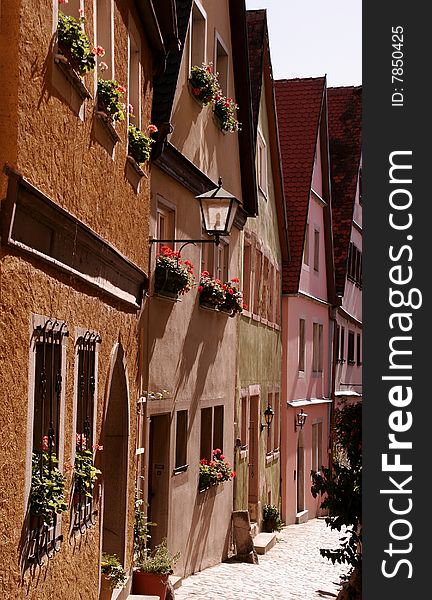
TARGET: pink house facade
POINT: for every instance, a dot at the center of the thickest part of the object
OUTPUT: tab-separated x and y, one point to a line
345	157
308	293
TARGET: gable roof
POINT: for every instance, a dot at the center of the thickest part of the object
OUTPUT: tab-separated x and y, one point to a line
261	77
257	30
299	107
345	114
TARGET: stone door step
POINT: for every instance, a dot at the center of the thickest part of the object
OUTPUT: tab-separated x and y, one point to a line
141	597
263	542
175	581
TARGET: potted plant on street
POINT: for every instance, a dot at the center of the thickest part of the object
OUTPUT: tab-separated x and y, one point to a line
152	571
113	575
271	518
172	275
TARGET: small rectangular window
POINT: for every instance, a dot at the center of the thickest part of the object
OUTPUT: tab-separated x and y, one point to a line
197	37
221	64
135	74
317	357
278	297
257	282
247	275
218	427
104	38
265	291
181	440
316	249
337	343
165	225
342	346
276	422
206	433
351	360
359	356
306	246
316	446
262	164
222	261
269	432
302	345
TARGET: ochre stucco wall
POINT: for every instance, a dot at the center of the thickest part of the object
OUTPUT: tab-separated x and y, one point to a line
56	151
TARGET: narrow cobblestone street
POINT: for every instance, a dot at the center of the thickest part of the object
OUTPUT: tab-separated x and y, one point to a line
292	570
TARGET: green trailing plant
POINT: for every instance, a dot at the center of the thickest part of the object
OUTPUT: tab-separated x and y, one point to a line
112	568
47	495
214	471
72	38
140	143
271	518
340	486
225	110
160	561
172	274
85	473
204	83
110	95
141	529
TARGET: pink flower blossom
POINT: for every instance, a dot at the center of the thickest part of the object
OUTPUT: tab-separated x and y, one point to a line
219	475
130	109
152	128
81	12
212	464
45	443
97	447
99	51
205	274
233	474
103	66
63	1
222	457
122	89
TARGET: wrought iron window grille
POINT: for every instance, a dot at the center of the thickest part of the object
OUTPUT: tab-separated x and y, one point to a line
82	499
44	538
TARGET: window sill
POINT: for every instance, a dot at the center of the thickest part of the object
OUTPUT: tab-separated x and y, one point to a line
180	470
217	310
243	453
134	173
72	76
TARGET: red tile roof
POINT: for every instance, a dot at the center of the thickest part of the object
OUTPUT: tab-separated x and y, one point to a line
257	28
299	104
345	114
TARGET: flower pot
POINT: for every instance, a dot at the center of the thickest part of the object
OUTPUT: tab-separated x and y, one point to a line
105	590
152	584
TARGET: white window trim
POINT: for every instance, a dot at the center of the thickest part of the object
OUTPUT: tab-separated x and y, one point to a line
204	16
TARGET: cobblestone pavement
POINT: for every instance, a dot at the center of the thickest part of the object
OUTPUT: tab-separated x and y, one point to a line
292	570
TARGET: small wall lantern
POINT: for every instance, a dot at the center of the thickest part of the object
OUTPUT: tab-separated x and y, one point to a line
268	417
300	420
218	209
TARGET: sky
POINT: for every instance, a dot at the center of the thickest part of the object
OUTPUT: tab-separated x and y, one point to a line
311	38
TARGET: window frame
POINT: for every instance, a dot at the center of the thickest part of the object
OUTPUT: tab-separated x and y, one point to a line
219	42
197	6
181	450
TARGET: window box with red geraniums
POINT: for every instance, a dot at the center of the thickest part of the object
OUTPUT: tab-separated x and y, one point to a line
225	110
215	471
172	275
233	298
212	293
204	84
140	143
109	96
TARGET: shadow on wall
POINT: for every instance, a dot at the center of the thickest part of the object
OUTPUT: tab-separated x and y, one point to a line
201	345
199	530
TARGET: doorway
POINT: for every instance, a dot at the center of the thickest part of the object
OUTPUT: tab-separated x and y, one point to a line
253	464
300	474
115	462
158	481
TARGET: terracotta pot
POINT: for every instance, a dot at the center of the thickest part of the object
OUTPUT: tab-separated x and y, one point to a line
105	590
153	584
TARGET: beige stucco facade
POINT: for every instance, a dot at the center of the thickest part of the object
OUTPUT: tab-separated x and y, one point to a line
64	184
192	351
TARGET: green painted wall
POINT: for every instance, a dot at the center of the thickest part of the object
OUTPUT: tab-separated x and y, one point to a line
260	351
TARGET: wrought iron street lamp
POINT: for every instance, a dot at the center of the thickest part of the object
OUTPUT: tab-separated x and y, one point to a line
300	420
268	417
